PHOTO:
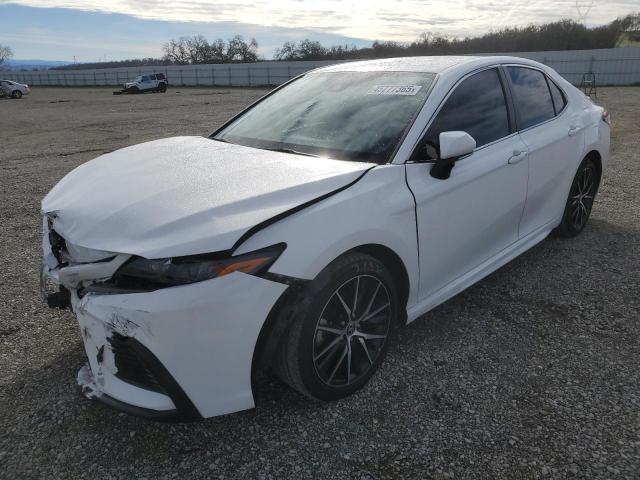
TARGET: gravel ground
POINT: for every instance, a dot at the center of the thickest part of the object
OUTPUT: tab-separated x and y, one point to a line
532	373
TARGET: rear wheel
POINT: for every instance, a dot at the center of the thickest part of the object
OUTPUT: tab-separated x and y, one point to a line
16	94
581	196
341	334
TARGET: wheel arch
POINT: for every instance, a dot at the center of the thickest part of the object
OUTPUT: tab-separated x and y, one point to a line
597	159
282	313
396	266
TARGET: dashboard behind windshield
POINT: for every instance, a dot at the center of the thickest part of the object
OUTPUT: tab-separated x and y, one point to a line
359	116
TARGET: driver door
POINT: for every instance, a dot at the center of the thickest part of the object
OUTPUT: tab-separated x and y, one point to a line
145	83
474	214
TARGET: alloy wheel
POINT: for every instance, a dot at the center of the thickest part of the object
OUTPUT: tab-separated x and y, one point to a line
582	197
351	331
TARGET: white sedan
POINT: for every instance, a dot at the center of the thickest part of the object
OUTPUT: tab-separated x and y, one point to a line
13	89
305	230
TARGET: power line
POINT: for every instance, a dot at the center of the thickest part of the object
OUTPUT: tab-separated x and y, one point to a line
583	9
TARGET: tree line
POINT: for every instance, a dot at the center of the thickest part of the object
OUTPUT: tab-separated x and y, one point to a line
197	49
188	51
560	35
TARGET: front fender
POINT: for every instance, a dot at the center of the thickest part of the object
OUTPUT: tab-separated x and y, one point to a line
378	209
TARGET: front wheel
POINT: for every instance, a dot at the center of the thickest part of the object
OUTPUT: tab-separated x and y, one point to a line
16	94
581	196
342	331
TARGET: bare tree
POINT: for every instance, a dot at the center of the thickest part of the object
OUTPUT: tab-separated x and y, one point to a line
218	51
5	53
175	51
196	49
288	51
240	51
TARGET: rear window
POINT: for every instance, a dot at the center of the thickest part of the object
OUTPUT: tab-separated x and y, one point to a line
559	101
531	96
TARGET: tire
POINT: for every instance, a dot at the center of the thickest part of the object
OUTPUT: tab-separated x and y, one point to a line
580	201
134	90
16	94
328	354
162	88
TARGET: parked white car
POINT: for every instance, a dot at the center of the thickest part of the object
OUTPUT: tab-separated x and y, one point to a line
13	89
147	83
304	231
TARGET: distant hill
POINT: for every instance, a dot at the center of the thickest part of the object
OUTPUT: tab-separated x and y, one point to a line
134	62
32	64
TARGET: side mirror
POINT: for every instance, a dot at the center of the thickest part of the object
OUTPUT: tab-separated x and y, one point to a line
453	145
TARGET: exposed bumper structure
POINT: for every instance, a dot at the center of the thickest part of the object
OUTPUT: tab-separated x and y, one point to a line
179	353
183	352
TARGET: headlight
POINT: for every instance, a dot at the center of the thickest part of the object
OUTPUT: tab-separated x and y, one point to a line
145	273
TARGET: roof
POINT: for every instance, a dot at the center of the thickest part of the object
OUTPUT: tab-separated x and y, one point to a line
431	64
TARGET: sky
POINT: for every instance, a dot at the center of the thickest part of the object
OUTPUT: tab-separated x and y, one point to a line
92	30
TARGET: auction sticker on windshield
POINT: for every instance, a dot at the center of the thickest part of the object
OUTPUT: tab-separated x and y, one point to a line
394	89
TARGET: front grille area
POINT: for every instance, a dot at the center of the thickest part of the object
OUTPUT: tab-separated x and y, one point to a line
130	367
58	245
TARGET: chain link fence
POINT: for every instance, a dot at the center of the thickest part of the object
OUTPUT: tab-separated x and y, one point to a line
612	66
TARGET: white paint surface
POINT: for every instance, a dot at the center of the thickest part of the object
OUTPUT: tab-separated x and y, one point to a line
185	195
193	195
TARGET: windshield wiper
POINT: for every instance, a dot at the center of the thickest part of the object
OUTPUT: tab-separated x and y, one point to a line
290	150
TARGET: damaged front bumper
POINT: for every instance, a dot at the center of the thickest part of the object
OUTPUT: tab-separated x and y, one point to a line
179	353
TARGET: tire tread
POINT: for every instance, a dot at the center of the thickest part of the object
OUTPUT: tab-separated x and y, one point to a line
287	364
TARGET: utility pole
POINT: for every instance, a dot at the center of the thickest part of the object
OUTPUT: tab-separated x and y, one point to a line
583	9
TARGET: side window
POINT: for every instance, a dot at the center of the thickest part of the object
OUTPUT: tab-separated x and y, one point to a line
477	106
559	101
531	96
160	76
145	78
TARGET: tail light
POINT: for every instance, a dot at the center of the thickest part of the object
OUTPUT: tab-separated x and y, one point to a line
606	118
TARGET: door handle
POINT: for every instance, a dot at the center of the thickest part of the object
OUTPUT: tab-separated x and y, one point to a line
573	130
517	157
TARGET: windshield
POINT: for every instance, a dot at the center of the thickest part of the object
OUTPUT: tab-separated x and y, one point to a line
343	115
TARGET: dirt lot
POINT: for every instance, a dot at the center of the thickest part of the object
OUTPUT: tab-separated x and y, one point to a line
532	373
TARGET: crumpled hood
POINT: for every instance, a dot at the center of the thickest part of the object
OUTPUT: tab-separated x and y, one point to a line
185	195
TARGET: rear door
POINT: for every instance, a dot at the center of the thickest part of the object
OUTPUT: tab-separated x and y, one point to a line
554	136
474	214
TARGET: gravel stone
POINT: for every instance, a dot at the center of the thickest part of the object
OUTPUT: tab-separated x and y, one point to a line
531	373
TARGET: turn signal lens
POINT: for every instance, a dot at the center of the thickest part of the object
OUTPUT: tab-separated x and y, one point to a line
244	266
